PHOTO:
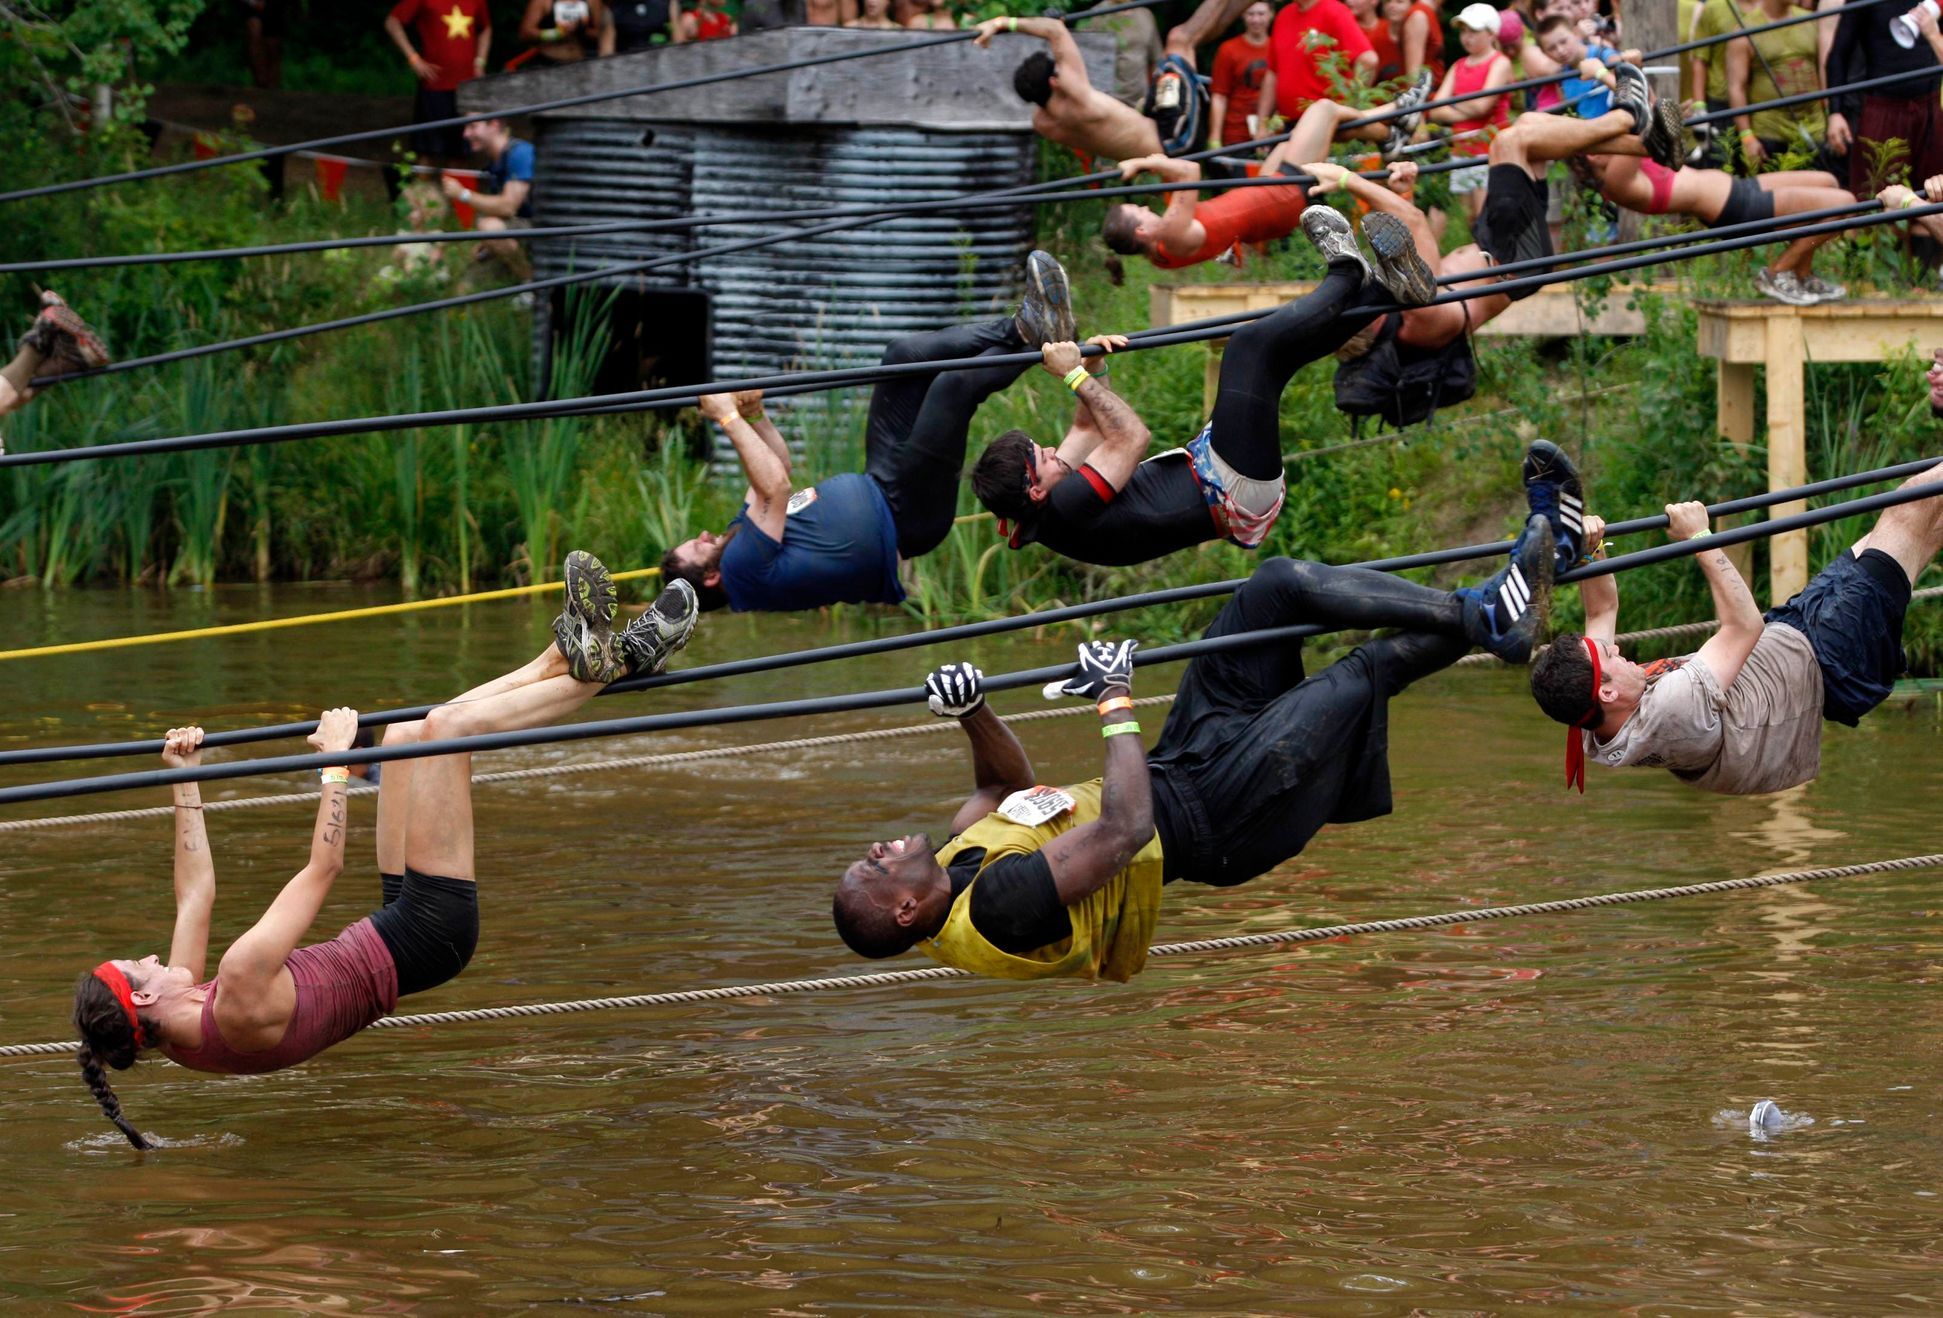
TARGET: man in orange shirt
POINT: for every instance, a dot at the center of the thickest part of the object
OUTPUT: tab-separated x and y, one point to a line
454	39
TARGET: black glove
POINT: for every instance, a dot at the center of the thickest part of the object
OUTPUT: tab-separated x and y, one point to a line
955	690
1102	664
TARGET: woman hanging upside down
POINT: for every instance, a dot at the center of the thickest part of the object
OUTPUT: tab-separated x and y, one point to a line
273	1003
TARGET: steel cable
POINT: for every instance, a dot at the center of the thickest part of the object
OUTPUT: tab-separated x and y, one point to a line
1275	938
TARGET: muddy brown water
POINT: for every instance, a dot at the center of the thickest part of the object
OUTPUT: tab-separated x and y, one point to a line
1549	1112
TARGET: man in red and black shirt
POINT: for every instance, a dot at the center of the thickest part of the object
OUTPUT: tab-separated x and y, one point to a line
454	39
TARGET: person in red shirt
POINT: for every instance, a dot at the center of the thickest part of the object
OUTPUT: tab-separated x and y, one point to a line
454	39
706	22
1311	41
1242	77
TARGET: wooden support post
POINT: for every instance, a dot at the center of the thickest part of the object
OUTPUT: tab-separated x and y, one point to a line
1787	452
1734	418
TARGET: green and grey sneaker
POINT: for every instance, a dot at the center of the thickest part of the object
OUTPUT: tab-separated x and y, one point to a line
663	629
1046	311
593	650
1333	237
590	589
1400	267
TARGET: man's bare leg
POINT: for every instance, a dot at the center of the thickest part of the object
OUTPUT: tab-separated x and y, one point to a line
1910	533
1799	255
1800	178
1209	20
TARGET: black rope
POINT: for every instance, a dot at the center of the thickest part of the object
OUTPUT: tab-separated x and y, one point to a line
685	395
538	107
816	705
969	631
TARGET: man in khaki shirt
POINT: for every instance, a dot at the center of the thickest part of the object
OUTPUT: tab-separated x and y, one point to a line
1743	714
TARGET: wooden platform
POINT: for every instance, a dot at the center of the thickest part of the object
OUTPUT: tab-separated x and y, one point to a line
1785	340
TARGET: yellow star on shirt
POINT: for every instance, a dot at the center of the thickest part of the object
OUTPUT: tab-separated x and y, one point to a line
458	24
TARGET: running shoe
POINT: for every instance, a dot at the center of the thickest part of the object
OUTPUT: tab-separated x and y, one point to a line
1782	286
1046	312
1400	268
1820	289
1554	492
66	339
1404	126
1632	93
1330	232
1666	137
1506	613
665	628
584	631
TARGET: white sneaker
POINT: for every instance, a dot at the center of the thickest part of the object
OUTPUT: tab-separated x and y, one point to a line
1821	290
1784	287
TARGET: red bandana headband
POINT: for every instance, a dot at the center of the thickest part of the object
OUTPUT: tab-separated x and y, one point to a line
1574	738
110	974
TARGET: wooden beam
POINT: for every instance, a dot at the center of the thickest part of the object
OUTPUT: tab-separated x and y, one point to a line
1787	451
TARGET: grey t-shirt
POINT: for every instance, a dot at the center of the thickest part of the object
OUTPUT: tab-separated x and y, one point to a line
1760	735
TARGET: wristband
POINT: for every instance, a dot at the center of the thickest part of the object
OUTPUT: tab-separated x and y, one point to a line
1011	24
1701	535
341	777
1112	703
1077	377
465	195
1115	729
1911	201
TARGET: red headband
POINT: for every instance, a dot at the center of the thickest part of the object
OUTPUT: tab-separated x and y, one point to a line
110	974
1574	738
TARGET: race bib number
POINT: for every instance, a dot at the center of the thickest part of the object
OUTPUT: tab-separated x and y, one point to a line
799	501
571	11
1035	805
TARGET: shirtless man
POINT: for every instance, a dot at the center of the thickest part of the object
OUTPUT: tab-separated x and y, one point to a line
1719	199
1743	715
1191	231
58	338
1075	114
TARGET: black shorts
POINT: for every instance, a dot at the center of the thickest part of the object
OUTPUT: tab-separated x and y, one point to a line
1747	201
1852	614
448	143
430	925
1512	225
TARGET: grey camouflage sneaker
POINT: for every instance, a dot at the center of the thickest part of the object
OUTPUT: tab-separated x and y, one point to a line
1400	267
1330	232
590	588
1820	289
664	628
1782	286
1046	311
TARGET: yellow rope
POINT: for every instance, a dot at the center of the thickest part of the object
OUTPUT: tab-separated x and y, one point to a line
275	624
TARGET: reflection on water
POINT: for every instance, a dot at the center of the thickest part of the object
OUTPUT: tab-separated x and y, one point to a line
1467	1118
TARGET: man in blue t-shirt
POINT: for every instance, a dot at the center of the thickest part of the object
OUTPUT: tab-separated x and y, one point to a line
504	197
1589	92
839	541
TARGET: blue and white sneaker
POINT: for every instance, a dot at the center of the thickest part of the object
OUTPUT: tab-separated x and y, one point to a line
1506	613
1554	492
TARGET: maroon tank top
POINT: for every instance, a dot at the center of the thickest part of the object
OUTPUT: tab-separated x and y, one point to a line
342	986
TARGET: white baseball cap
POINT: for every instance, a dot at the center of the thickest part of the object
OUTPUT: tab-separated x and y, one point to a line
1479	18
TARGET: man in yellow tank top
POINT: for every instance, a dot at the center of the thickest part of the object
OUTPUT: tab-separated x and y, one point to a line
1256	757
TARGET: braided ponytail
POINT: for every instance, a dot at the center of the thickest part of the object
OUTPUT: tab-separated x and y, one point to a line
106	1036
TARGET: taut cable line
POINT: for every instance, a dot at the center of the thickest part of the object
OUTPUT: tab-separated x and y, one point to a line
880	699
1197	947
988	627
684	395
751	750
